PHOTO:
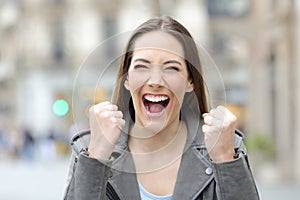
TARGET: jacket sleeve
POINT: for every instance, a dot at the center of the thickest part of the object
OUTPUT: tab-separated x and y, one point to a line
87	178
234	178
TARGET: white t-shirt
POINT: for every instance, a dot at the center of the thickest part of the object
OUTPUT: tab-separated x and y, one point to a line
145	195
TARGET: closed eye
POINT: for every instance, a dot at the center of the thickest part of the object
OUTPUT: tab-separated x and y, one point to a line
173	68
140	67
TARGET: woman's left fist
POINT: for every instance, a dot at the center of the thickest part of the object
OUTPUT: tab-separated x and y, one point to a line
219	126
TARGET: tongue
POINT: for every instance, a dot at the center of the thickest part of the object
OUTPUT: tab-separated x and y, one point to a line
155	107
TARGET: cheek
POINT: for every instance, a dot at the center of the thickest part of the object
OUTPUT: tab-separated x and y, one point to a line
136	80
177	84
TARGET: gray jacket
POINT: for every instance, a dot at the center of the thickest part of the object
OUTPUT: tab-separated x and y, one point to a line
198	177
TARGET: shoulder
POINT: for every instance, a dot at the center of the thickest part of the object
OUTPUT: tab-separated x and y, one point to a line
238	138
239	145
80	140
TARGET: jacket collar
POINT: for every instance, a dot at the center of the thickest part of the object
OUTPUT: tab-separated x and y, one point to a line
192	176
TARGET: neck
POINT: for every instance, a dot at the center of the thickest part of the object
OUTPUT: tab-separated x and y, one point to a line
143	140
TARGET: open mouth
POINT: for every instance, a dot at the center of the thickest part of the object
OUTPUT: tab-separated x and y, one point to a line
155	103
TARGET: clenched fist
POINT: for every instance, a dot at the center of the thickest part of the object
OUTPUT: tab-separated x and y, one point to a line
106	123
219	127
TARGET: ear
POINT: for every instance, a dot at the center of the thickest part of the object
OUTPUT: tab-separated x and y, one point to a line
190	87
126	83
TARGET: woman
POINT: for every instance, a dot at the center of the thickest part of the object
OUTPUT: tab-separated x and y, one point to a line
158	140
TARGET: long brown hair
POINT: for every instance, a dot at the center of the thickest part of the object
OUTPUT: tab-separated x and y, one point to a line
195	101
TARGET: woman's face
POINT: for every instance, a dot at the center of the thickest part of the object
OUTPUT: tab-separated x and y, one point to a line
157	80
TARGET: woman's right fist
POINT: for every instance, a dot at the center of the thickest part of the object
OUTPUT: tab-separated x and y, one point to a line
106	123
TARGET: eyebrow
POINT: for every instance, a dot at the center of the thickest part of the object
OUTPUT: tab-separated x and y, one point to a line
165	63
172	61
142	60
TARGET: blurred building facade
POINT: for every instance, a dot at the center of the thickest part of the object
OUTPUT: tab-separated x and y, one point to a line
255	43
44	46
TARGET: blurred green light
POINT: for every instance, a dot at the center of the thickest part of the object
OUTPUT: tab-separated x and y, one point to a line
60	107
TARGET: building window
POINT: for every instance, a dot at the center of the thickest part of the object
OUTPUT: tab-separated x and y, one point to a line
219	43
229	8
110	30
58	49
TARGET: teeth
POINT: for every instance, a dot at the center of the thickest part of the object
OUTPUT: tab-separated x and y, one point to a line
156	98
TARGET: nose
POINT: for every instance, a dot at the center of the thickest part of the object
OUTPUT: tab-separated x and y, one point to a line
156	79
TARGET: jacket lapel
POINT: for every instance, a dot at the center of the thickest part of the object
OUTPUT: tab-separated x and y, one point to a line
195	169
123	177
192	176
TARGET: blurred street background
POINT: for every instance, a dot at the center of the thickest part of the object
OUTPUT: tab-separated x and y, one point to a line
49	76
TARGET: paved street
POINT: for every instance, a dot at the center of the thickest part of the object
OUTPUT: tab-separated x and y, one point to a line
46	180
30	181
279	192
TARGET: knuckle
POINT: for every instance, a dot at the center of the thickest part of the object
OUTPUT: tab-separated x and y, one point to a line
234	119
118	114
204	128
220	107
112	107
123	122
106	115
226	123
205	120
113	119
91	109
103	103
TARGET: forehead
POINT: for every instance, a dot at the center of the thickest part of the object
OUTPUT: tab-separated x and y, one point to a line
159	41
